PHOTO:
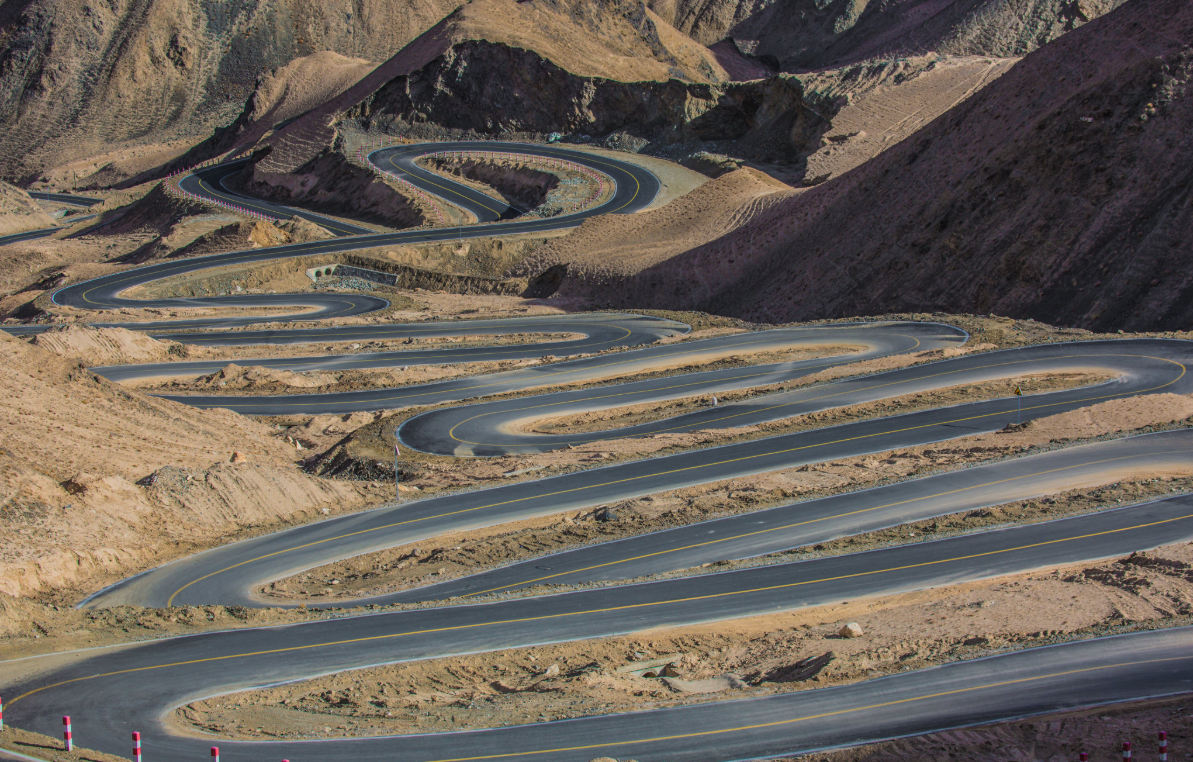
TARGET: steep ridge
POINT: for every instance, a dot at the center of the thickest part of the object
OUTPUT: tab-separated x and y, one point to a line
279	97
1068	174
808	34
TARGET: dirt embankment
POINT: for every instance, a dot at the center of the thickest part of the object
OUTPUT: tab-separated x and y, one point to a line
794	37
746	657
106	346
613	248
181	240
331	184
289	276
101	482
19	212
522	186
611	419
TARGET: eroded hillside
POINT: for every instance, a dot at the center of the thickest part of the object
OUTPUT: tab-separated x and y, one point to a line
1060	194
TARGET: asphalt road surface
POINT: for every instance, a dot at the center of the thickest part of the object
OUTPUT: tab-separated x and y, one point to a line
113	691
62	198
636	189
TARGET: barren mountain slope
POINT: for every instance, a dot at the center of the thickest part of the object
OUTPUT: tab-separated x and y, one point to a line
99	480
805	34
79	78
18	212
281	96
1061	193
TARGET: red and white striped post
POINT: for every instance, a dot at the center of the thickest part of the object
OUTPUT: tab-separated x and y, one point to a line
215	754
1	714
1163	746
69	744
1084	757
1126	750
136	747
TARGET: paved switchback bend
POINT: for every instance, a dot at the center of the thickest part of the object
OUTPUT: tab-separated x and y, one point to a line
111	692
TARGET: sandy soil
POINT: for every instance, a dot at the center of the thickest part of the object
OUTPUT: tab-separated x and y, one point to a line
754	656
109	167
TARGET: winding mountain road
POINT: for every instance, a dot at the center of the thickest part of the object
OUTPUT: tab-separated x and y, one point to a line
113	691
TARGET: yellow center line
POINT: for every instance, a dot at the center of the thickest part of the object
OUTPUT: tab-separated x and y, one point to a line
626	480
609	609
846	514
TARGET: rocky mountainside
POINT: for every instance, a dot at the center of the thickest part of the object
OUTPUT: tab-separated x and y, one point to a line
537	55
1062	193
797	35
98	479
78	78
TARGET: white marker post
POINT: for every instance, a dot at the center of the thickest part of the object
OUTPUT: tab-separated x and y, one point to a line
67	743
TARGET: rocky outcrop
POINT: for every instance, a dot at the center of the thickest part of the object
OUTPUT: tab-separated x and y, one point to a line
483	88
